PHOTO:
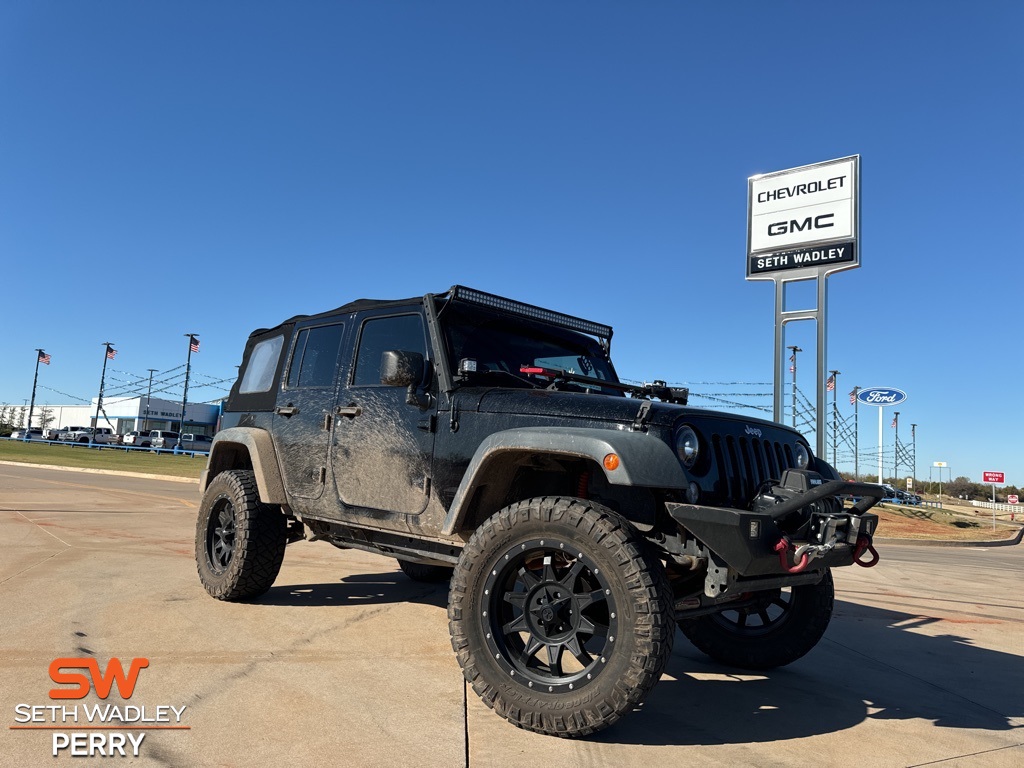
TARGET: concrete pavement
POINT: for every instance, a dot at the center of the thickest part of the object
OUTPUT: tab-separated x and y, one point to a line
347	662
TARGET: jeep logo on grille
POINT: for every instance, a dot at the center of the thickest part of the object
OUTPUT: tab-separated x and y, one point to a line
753	431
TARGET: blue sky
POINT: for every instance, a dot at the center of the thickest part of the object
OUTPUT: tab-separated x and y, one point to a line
218	167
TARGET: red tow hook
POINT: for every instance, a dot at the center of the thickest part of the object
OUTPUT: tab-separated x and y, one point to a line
864	545
782	548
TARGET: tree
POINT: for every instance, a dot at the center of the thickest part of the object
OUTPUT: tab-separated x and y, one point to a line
962	486
46	417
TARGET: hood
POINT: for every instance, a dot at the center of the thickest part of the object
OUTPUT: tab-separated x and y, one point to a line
614	410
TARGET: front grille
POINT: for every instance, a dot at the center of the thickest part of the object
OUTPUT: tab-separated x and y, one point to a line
744	463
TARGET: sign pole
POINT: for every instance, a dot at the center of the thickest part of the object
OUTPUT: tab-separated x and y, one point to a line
804	224
993	506
880	436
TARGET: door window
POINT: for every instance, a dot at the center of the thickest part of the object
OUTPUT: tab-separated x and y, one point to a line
315	360
404	332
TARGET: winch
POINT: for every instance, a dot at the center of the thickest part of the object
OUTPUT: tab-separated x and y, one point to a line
791	523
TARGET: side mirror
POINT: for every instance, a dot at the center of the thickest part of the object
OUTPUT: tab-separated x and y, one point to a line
401	369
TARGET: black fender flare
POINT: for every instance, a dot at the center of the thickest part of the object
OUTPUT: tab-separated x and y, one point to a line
644	460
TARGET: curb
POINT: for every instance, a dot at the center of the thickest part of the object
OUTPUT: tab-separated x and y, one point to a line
87	470
933	543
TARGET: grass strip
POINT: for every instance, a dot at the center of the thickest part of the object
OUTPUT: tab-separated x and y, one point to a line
115	459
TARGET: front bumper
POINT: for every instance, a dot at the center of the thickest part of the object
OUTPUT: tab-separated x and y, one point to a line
747	543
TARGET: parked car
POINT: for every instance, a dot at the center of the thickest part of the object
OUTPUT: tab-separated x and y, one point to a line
161	438
66	433
51	433
190	442
138	438
101	435
32	433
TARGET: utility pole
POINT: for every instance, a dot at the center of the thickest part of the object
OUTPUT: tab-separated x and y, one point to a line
193	346
149	393
896	448
108	354
834	382
792	359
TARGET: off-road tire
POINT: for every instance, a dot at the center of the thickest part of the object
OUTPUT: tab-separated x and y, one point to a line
778	631
429	574
240	541
568	574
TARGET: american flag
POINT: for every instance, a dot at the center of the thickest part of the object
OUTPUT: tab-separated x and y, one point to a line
853	396
792	369
893	425
44	358
193	345
111	353
830	385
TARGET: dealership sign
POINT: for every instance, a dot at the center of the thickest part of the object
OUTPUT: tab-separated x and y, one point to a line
804	220
881	396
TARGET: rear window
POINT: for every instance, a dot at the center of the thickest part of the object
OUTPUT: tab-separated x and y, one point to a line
263	360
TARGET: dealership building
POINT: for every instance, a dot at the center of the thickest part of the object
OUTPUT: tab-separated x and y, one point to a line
124	414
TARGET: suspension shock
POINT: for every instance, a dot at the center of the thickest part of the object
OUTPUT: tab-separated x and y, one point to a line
582	488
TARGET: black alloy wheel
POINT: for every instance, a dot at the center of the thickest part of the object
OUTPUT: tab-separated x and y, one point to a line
561	615
240	541
220	536
776	629
551	615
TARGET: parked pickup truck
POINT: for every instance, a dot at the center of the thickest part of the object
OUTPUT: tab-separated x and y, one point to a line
140	439
189	441
87	434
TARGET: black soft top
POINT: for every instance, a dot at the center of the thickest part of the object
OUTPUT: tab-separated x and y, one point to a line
345	309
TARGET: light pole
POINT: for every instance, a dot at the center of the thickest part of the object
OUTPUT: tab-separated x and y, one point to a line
913	446
792	359
939	465
856	433
149	393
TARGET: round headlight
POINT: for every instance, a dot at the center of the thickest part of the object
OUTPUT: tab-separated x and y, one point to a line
803	456
687	447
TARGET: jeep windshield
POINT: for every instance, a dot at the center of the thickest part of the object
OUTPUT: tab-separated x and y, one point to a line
488	347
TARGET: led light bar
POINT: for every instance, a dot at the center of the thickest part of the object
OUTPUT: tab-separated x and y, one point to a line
473	296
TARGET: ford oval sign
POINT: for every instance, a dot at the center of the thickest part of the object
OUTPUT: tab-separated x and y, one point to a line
881	396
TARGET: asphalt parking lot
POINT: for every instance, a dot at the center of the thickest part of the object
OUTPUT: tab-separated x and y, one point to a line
347	662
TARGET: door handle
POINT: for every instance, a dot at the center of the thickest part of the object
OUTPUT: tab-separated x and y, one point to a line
287	410
349	410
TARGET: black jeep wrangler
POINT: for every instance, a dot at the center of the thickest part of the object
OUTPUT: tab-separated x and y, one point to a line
579	519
